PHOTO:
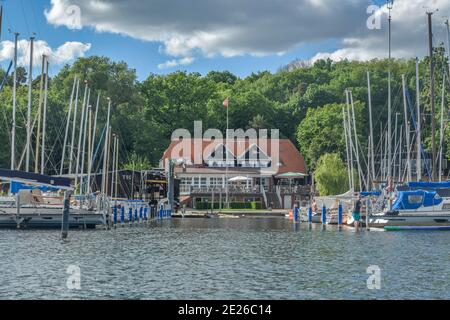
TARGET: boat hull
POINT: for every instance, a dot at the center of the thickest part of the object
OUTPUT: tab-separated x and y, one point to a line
426	220
48	218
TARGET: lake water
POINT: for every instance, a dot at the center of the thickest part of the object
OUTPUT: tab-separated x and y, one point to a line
224	259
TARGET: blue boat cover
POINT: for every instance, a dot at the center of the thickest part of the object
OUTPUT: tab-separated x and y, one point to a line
35	179
17	186
370	193
411	200
429	185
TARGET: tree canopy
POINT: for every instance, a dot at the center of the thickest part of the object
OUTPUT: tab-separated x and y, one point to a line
331	175
304	102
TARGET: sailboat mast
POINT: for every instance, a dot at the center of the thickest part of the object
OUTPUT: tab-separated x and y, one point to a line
448	44
432	97
382	152
113	164
407	133
108	158
44	117
85	134
72	143
361	177
1	20
68	125
347	150
117	168
91	151
394	157
105	153
441	140
389	134
13	129
419	129
38	132
80	134
30	102
400	150
349	133
371	154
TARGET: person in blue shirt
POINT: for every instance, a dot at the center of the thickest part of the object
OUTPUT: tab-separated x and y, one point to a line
357	212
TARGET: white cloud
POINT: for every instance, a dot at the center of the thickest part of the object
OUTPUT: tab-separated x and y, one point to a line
409	33
213	27
67	52
249	27
176	62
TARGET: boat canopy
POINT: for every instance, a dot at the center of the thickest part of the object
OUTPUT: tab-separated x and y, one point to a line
429	185
370	194
35	179
411	200
17	186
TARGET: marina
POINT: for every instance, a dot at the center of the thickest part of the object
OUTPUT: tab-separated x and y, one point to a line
224	259
325	178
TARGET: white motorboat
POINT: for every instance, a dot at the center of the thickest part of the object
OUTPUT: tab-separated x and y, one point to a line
30	208
415	208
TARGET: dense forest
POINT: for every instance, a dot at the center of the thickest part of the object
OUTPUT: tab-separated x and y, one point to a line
304	103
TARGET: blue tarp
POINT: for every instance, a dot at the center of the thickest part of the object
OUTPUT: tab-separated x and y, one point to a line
371	193
411	200
35	179
429	185
17	186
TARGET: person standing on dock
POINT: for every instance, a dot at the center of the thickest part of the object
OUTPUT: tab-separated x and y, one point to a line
314	207
357	212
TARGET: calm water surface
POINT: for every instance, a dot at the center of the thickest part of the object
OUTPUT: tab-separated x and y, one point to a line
224	259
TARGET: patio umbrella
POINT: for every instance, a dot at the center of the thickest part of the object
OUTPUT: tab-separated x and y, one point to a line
239	179
291	175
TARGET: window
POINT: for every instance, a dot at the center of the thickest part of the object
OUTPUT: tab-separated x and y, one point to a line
196	181
215	182
415	199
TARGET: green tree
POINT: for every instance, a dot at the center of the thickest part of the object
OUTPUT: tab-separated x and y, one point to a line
321	132
331	175
137	163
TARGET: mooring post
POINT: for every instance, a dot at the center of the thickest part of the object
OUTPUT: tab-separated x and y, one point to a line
324	215
130	216
141	214
122	215
171	185
340	212
296	214
115	216
146	214
18	209
136	217
66	213
310	216
367	213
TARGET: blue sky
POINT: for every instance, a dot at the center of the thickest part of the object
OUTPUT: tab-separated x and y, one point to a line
26	16
324	34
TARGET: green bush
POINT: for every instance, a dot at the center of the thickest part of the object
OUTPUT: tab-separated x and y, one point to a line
206	205
233	205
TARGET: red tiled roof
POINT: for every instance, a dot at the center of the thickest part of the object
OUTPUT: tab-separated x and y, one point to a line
290	158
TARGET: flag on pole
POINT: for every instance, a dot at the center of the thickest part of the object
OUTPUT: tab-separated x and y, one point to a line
226	103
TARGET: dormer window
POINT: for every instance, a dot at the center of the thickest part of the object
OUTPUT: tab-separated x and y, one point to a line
221	157
254	157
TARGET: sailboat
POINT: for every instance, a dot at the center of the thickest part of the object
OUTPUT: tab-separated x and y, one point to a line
421	205
36	201
30	208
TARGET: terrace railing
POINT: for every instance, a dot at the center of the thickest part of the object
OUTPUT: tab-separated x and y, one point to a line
231	190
